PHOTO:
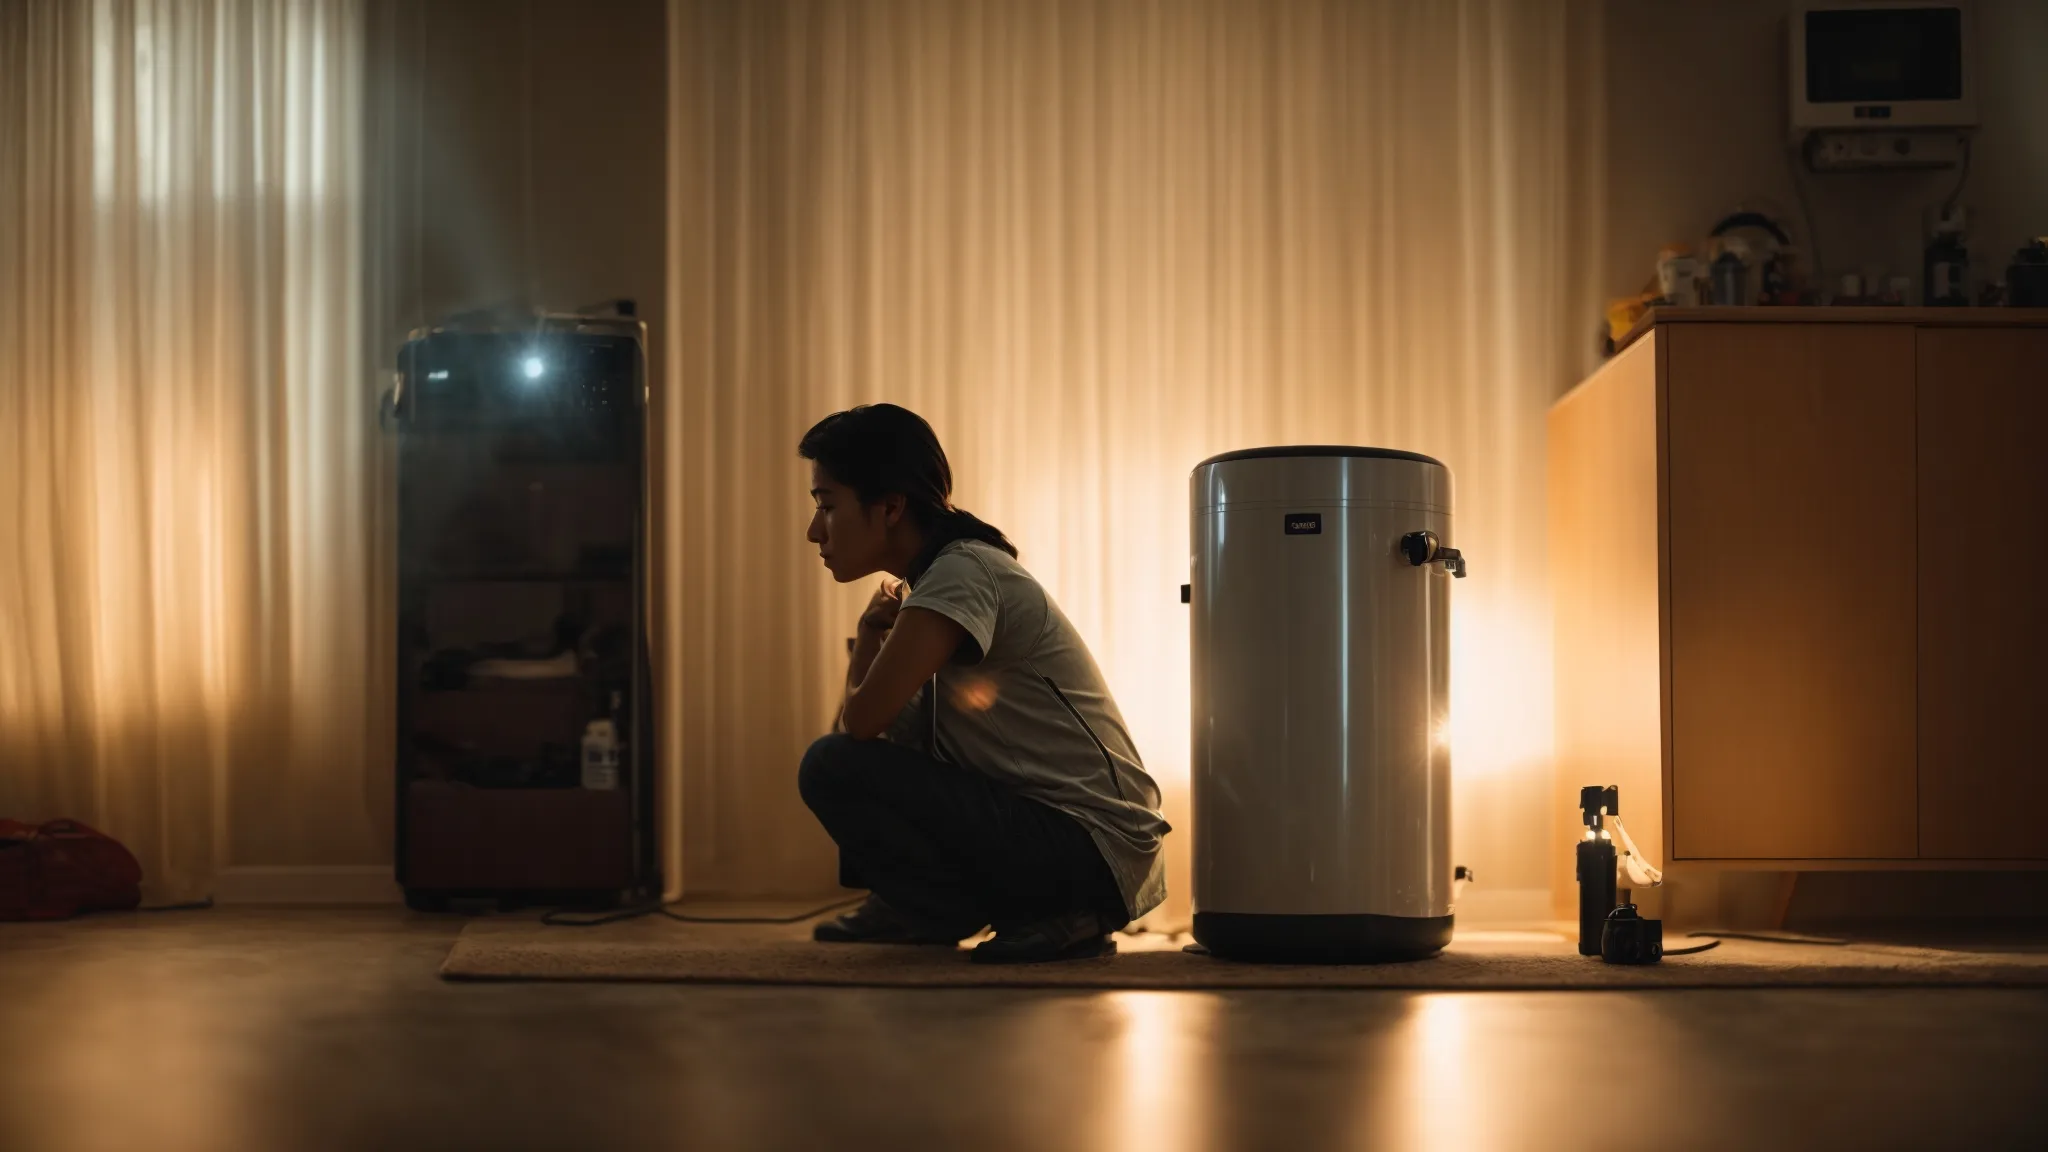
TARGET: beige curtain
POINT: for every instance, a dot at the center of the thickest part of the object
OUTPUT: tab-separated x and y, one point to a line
185	428
1093	242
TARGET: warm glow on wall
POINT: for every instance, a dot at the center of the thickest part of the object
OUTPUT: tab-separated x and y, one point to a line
1092	259
1500	682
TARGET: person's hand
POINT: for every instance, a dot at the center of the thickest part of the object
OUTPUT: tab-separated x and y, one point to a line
880	614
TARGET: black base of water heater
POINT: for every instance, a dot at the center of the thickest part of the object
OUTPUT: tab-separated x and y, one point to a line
1359	939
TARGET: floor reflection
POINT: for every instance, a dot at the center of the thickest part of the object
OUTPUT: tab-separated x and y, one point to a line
115	1066
271	1032
1162	1064
1485	1070
1446	1103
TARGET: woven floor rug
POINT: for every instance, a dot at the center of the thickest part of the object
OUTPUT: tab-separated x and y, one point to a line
657	949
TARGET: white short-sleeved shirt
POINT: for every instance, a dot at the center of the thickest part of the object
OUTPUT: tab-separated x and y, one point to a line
1024	702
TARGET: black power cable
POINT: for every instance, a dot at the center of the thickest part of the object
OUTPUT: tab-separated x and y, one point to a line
1806	219
1962	180
1771	936
568	918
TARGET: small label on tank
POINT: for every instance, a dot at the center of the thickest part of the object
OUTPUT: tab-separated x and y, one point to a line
1304	523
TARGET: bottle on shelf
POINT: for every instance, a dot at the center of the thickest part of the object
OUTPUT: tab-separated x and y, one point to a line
1947	267
601	752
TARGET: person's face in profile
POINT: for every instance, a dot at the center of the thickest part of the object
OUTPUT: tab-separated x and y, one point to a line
852	538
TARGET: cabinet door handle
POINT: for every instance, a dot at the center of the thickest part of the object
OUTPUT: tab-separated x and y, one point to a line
1423	548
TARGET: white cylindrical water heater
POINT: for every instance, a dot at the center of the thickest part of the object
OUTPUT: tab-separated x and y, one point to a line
1320	598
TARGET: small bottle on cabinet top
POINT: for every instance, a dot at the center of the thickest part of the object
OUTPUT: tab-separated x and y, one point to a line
1945	283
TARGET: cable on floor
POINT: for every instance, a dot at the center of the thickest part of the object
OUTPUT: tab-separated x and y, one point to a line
566	918
1769	937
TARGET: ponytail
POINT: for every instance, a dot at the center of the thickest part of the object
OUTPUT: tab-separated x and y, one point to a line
946	526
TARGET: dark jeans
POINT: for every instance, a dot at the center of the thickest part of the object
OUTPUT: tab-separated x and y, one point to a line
948	845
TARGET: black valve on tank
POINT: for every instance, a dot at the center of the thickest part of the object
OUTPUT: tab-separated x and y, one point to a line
1596	864
1422	548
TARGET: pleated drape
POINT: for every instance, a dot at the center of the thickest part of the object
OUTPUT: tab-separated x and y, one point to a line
188	603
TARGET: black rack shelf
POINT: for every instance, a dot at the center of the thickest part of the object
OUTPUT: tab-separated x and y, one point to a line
477	487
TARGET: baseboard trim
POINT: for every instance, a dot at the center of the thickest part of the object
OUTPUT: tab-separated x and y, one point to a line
311	884
1504	906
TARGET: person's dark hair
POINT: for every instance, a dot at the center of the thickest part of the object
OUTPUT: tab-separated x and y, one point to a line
879	449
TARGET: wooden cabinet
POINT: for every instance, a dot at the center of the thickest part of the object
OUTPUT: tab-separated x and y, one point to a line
1790	568
1793	557
1982	506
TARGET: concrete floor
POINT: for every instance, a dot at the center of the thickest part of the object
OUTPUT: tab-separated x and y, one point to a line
232	1030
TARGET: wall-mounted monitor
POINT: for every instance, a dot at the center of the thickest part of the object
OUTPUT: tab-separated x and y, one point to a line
1882	66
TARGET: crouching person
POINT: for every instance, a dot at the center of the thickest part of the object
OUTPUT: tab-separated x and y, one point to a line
981	774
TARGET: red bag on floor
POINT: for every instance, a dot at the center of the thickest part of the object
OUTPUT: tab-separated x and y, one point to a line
61	868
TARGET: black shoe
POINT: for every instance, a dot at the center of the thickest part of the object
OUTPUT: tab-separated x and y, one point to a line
1075	936
874	922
